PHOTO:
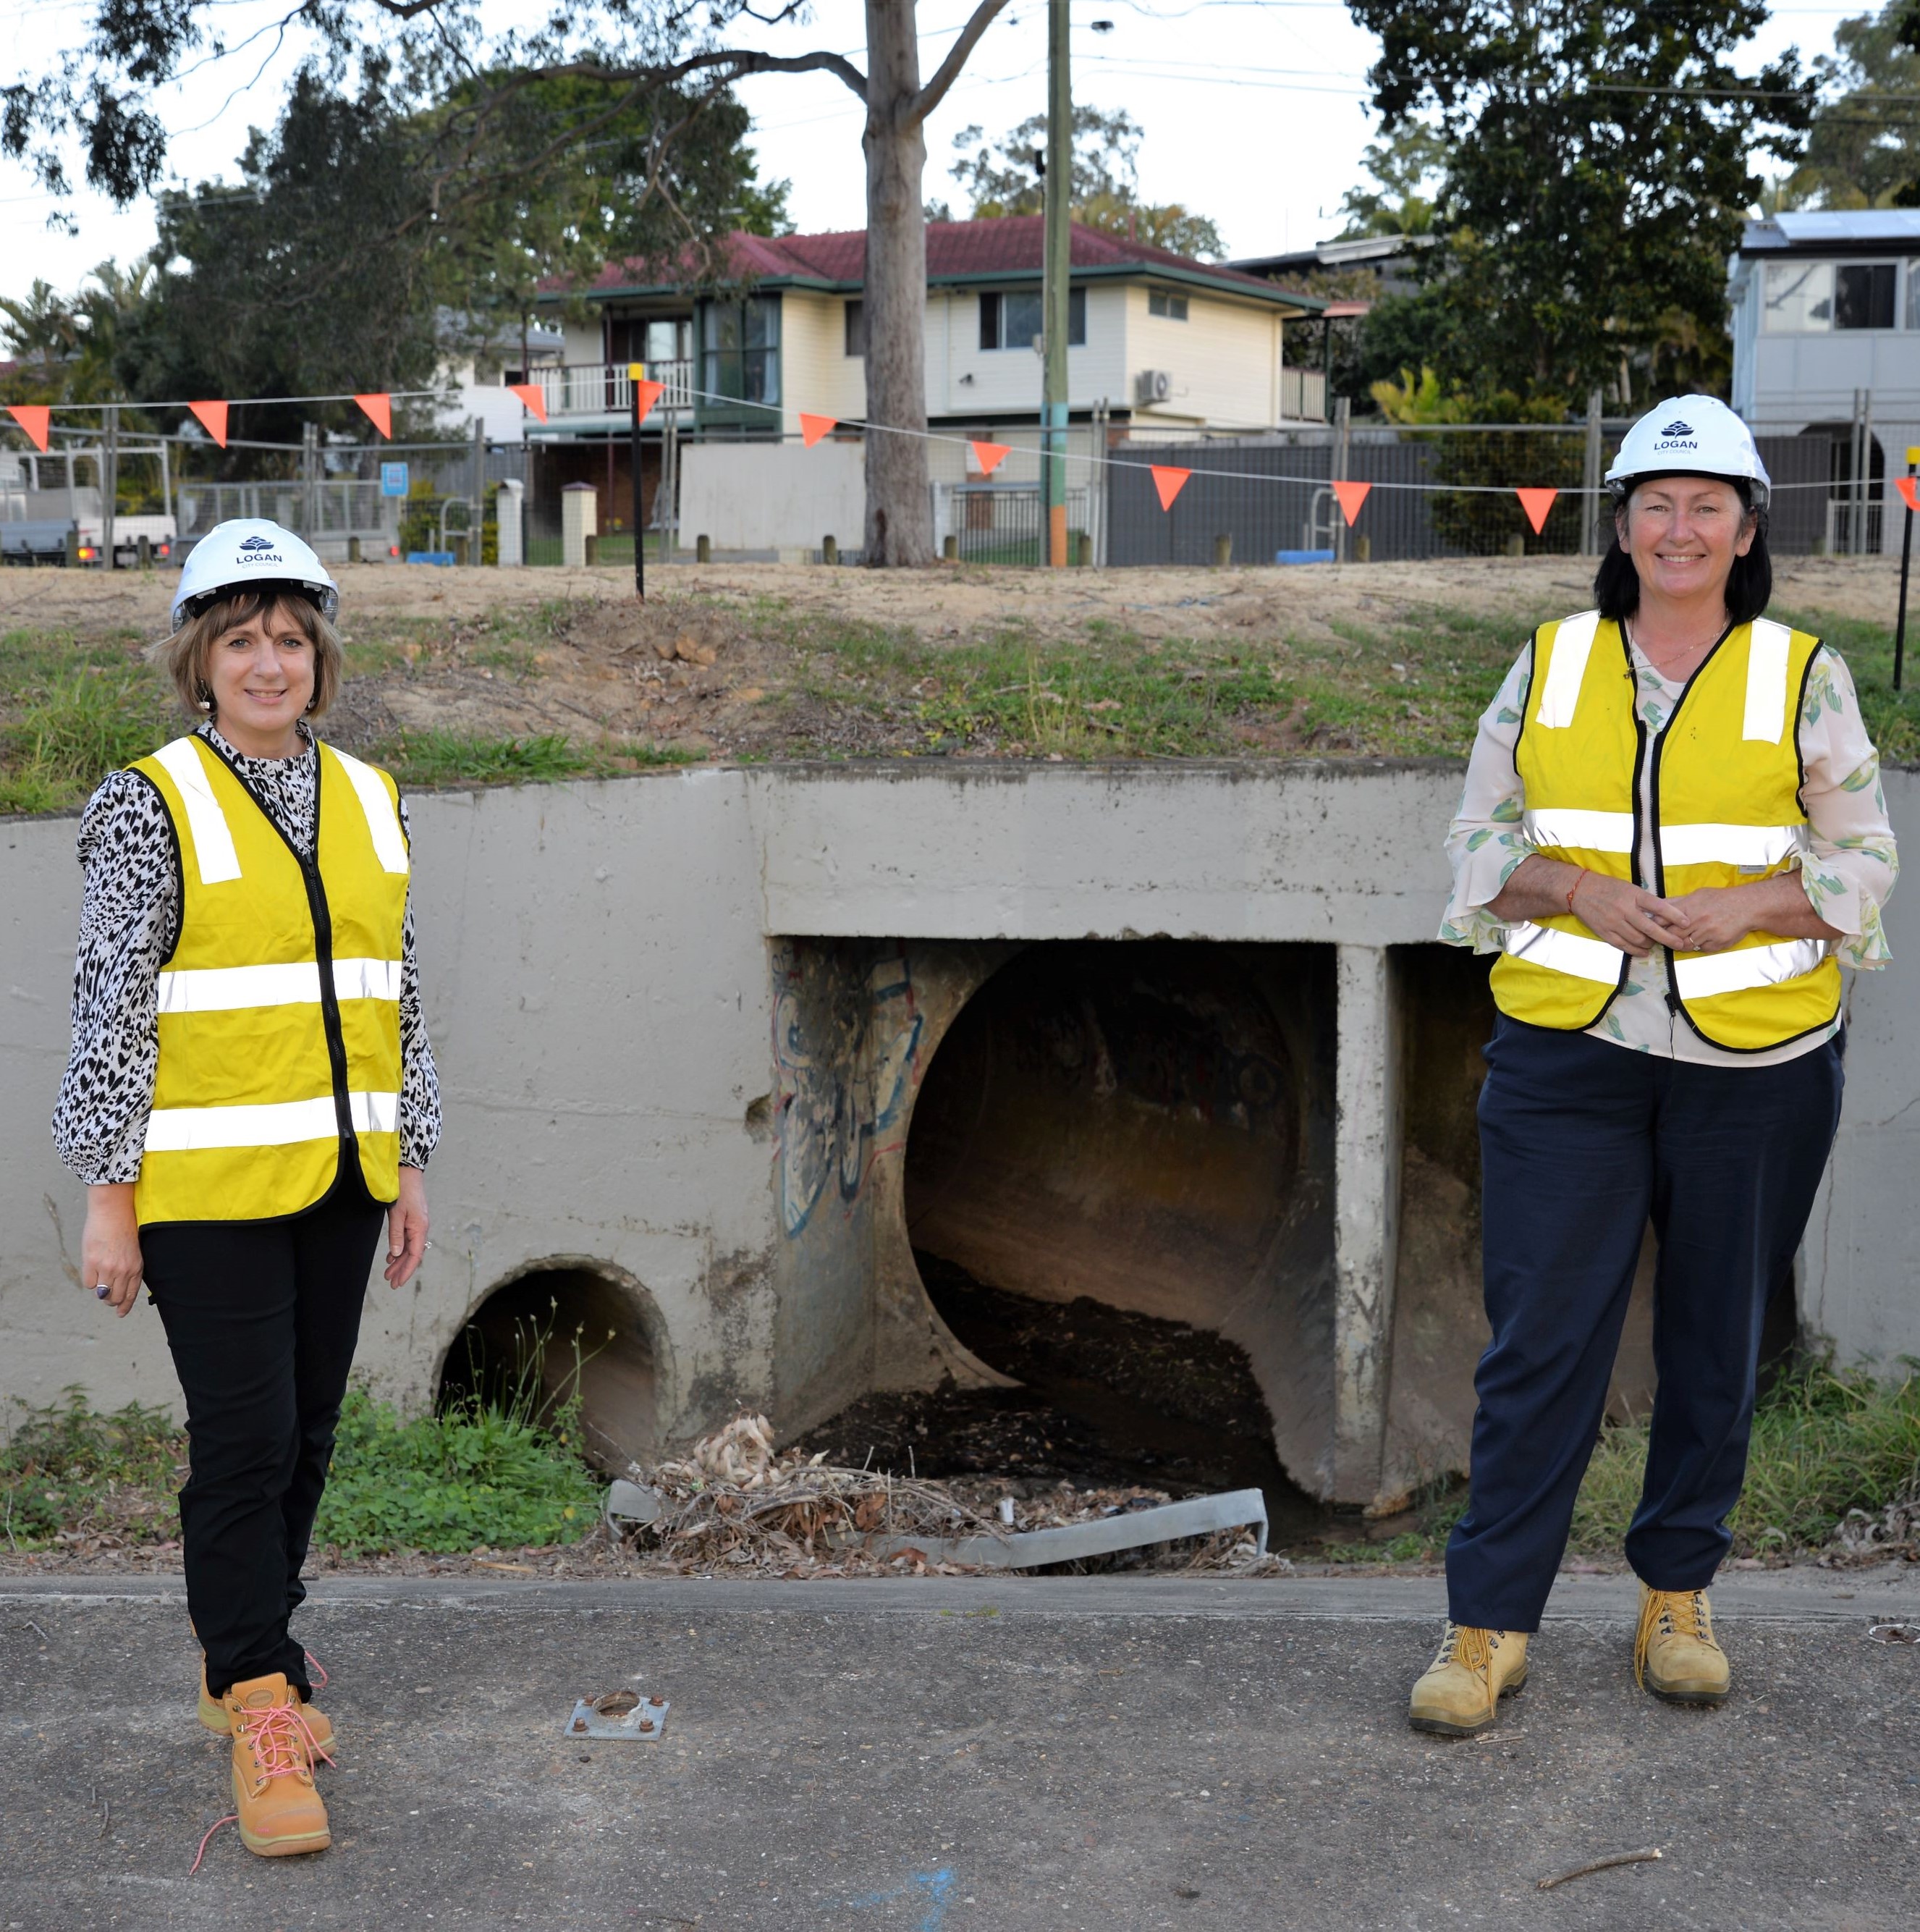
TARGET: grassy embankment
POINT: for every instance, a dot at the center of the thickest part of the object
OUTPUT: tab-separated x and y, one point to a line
72	708
506	1475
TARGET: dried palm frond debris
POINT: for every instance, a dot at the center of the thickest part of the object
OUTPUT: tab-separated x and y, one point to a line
734	1501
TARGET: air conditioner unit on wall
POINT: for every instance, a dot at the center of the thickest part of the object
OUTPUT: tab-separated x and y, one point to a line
1153	385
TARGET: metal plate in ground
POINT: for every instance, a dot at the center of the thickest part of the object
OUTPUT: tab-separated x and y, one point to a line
642	1721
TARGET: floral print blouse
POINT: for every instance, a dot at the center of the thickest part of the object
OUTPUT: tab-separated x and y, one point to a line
129	920
1848	877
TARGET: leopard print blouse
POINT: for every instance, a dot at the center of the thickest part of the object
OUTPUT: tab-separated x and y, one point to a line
129	920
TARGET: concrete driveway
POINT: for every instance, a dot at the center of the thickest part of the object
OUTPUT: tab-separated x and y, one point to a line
938	1755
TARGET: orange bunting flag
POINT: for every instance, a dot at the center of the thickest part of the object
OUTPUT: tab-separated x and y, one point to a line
1352	496
646	394
988	456
379	408
533	396
212	419
1168	481
812	428
1904	484
1536	503
35	418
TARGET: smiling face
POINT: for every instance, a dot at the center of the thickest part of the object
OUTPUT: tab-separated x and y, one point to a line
261	673
1682	534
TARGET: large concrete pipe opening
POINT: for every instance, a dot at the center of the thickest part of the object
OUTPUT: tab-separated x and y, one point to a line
1117	1187
534	1341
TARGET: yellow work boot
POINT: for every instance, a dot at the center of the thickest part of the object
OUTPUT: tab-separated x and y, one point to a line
1675	1655
213	1714
1461	1692
279	1810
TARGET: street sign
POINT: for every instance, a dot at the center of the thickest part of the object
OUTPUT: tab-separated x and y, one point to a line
393	479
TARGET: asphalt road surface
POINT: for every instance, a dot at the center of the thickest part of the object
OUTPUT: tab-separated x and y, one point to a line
967	1757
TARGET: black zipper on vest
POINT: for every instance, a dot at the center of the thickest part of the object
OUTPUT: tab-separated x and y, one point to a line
1674	1003
323	946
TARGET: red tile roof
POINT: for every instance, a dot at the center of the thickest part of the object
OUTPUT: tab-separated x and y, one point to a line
1011	246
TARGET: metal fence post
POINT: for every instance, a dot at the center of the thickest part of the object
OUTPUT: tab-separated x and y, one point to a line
1343	430
1589	538
110	481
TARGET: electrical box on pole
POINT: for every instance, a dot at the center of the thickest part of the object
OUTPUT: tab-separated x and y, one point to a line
1059	205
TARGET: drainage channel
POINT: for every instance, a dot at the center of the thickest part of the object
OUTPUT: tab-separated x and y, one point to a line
1109	1399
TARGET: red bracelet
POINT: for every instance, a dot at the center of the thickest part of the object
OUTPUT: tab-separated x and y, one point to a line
1574	888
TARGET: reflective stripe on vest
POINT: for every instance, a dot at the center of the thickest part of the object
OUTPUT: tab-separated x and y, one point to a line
1574	750
278	1013
276	1124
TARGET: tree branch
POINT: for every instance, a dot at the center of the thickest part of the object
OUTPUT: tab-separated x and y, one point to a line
930	96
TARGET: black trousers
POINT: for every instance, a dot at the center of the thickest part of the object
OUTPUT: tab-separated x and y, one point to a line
1582	1142
262	1318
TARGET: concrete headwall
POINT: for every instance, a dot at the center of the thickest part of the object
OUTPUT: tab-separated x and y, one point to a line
680	1021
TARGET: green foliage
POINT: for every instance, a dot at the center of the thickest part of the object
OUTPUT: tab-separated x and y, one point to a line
448	1482
1863	149
1408	165
1892	718
1597	171
1002	178
454	758
64	725
1824	1441
66	1468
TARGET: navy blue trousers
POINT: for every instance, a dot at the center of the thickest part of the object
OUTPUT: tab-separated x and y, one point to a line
1582	1142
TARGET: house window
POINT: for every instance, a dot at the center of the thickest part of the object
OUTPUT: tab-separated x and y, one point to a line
1013	320
1173	307
855	319
740	350
1798	296
1863	294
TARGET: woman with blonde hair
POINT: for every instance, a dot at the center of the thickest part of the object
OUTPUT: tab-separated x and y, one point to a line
250	1094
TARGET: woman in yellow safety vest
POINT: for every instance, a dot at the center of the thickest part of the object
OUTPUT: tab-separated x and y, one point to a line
1671	832
250	1095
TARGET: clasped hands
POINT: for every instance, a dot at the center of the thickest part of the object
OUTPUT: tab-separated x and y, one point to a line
1636	920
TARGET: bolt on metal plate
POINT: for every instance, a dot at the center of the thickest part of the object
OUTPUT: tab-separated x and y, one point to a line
624	1715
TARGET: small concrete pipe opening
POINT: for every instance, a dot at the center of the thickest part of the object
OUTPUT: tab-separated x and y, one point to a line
1117	1188
531	1341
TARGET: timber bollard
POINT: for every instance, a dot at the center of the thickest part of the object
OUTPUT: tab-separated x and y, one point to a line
353	549
829	550
703	550
1516	546
1223	551
950	548
1083	549
143	552
72	558
592	550
1363	550
461	547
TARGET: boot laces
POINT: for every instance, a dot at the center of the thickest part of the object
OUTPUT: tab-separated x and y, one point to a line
1670	1613
1471	1649
281	1741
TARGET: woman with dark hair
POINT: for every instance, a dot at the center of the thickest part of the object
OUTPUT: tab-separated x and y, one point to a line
1671	832
250	1099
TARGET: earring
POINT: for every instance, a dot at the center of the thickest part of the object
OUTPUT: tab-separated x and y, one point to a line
204	700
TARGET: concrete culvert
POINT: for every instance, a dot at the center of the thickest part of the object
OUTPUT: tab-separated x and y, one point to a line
522	1345
1118	1186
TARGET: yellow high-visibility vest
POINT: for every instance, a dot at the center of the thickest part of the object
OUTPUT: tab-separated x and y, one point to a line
1725	792
279	1007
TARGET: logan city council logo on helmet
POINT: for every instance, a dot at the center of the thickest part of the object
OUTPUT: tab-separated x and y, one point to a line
1677	435
258	550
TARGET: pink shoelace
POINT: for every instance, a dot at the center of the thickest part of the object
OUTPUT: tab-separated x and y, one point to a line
283	1743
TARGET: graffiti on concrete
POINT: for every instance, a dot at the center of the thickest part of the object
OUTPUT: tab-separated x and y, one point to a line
845	1048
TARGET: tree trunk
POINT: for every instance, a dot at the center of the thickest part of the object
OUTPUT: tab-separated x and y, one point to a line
899	510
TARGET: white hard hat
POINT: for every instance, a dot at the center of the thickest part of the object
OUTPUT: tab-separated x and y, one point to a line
1691	436
247	553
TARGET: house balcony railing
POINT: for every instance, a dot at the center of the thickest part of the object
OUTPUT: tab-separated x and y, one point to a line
575	389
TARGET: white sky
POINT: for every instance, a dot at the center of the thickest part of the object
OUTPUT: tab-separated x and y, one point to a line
1254	110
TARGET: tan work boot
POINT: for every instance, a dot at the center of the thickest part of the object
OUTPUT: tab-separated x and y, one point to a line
279	1812
1675	1655
1461	1692
213	1714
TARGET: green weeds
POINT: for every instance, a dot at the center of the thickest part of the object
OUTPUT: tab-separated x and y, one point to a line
427	758
68	1474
